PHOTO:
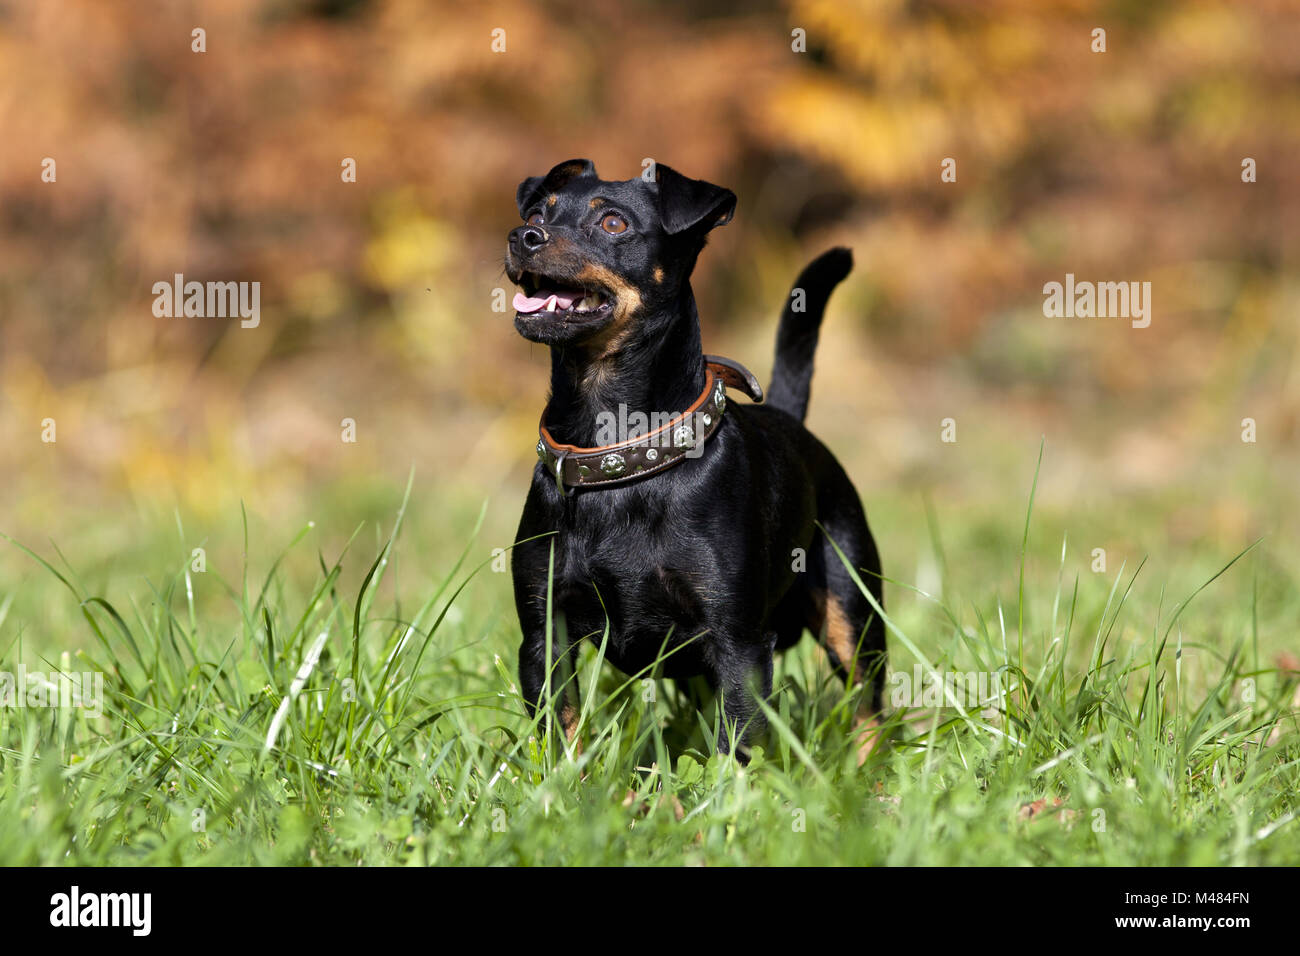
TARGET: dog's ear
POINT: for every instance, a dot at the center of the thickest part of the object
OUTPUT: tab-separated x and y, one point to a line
532	188
689	203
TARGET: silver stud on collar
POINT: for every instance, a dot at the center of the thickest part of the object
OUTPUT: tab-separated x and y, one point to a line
683	436
613	465
541	450
651	454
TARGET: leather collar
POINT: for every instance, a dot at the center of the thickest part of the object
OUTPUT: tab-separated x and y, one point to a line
655	451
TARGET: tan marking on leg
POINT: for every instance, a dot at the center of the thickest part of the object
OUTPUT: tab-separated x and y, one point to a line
569	721
832	624
866	728
838	632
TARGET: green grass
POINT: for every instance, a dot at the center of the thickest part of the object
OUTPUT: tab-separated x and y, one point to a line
1139	726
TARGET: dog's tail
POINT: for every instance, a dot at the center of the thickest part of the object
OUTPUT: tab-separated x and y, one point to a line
796	336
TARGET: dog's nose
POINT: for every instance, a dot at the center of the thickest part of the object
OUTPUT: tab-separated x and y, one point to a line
528	238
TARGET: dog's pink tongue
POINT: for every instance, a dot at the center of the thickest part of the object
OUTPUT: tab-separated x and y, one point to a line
540	302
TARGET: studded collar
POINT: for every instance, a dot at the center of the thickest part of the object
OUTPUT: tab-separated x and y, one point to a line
681	437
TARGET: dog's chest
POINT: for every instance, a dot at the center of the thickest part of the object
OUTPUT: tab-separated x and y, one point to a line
634	567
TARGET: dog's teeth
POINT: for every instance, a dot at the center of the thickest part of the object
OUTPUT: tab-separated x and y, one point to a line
550	304
588	303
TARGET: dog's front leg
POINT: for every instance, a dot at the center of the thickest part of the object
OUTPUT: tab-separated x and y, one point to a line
742	674
533	568
562	665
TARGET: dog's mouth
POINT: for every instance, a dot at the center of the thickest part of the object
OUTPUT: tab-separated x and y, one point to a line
552	298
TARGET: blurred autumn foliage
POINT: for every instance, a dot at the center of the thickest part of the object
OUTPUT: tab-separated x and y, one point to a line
831	121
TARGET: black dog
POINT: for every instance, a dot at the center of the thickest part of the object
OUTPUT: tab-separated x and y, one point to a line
703	539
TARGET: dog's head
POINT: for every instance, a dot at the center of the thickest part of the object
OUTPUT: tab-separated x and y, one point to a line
594	257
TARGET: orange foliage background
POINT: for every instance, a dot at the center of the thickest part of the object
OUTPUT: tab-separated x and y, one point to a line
377	296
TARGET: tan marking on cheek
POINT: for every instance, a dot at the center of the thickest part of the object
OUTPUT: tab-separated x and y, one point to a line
627	300
552	199
659	273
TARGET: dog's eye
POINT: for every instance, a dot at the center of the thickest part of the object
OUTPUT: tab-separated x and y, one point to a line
613	223
536	219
